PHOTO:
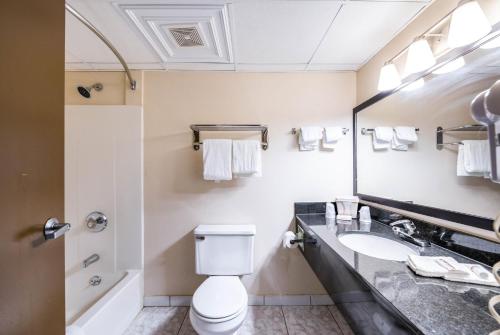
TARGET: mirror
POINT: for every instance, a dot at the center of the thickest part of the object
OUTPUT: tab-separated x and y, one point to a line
426	174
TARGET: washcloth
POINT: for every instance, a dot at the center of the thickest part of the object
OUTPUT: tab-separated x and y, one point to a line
309	138
382	137
477	156
331	136
449	269
247	158
217	160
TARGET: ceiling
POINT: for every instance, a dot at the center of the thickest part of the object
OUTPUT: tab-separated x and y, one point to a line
238	35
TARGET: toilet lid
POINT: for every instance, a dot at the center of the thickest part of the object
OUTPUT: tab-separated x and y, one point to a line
219	297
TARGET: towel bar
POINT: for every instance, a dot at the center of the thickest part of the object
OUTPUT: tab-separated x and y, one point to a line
365	131
197	128
440	133
296	131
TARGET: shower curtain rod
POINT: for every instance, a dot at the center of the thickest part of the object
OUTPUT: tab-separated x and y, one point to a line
103	38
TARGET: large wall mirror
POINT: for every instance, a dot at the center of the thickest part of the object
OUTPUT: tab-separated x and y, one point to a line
425	175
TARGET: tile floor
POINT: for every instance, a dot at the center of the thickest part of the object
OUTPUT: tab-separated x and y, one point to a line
265	320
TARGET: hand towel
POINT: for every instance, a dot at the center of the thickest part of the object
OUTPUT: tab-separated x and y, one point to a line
247	158
406	135
217	160
382	137
477	156
331	135
396	144
309	138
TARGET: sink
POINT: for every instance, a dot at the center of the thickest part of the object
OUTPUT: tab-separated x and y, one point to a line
377	246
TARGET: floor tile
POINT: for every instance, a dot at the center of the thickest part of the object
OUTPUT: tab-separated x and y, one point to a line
264	320
158	321
313	320
186	328
344	326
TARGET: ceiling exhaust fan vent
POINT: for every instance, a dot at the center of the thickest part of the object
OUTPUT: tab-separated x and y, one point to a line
186	37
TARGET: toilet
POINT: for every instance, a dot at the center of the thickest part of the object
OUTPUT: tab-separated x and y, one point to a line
223	253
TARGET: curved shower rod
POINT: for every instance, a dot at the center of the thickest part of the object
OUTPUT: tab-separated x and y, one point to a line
103	38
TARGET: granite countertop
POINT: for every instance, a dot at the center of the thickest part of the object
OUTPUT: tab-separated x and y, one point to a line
434	306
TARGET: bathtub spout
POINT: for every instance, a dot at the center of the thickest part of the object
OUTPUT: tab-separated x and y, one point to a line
89	260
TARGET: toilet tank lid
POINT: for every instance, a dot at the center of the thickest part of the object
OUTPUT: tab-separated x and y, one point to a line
205	229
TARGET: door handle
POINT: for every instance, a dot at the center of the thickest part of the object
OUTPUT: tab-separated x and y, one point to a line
53	229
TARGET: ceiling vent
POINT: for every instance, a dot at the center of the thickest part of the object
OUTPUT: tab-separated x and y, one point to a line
186	37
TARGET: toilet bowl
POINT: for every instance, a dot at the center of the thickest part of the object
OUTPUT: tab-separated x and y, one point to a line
219	306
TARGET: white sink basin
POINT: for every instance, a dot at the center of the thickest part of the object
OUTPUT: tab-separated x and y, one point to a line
376	246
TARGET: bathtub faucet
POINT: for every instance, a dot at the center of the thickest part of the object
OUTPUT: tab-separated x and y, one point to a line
91	259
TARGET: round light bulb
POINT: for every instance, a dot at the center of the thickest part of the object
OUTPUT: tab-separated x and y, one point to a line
420	57
468	24
389	77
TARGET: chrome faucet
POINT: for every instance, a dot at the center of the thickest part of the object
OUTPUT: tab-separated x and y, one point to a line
405	229
91	259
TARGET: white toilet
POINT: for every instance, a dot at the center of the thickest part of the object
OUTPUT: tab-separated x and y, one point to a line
223	252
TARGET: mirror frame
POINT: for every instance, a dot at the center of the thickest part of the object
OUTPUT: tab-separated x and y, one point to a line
440	213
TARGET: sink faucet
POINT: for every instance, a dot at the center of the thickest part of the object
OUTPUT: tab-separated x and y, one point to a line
405	229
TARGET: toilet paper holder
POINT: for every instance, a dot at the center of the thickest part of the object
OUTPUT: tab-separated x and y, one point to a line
307	240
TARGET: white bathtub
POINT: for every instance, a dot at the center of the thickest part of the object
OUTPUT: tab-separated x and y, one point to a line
112	314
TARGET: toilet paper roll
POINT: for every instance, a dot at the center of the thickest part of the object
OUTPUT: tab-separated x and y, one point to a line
287	237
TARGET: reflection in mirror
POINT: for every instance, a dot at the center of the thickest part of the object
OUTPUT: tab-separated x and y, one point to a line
451	174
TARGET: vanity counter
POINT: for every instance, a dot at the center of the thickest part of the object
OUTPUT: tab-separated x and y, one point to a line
422	305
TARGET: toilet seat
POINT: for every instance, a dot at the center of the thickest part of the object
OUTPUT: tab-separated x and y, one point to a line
220	299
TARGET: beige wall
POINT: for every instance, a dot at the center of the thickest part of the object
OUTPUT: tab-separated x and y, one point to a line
177	199
367	76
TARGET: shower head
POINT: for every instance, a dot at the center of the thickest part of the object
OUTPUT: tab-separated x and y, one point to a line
85	91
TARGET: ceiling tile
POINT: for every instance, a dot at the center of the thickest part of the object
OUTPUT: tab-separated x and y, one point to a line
277	32
362	28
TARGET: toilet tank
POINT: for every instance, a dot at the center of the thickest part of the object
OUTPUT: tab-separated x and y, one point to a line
224	250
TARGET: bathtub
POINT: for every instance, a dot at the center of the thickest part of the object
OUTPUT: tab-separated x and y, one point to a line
112	314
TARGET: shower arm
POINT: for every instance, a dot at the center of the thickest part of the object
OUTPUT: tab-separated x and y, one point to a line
103	38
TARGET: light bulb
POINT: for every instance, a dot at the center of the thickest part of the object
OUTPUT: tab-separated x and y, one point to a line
492	44
415	85
451	66
468	24
389	77
420	57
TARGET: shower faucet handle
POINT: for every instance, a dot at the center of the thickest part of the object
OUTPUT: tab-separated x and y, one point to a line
96	222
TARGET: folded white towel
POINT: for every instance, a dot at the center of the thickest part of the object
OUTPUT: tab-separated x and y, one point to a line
382	137
217	160
449	269
461	171
247	158
477	156
309	138
406	135
396	144
331	136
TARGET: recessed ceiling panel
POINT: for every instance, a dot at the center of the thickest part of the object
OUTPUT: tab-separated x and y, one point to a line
280	32
361	29
165	25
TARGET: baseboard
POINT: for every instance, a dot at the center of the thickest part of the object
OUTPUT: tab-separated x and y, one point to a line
253	300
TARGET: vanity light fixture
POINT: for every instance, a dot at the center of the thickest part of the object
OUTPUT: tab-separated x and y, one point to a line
414	86
420	56
468	24
389	77
451	66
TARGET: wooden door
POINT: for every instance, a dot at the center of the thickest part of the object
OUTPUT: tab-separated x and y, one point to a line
31	166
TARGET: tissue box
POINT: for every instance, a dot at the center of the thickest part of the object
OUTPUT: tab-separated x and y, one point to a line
347	205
